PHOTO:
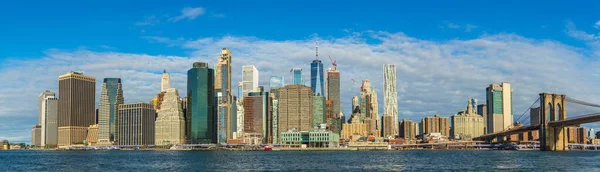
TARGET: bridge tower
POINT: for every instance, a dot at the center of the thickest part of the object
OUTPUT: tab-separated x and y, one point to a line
553	108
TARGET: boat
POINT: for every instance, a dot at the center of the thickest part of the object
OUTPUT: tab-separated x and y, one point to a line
268	148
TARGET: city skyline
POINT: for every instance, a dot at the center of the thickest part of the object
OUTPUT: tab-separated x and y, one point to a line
436	71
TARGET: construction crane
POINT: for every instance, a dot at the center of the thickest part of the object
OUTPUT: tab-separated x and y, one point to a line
334	64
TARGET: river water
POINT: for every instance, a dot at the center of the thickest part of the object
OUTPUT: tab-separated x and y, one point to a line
417	160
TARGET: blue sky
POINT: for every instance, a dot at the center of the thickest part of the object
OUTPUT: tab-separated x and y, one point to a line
453	48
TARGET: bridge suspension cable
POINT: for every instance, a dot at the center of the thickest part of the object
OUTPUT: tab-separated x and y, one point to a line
527	110
572	100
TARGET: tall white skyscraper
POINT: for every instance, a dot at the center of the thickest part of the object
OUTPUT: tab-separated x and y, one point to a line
48	118
390	95
249	79
165	82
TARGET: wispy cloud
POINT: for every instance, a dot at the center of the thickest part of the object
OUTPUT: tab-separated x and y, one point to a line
188	13
465	28
148	21
580	34
597	24
165	40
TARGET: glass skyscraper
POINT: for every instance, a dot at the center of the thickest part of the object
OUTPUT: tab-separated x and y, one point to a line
316	77
296	75
110	99
202	108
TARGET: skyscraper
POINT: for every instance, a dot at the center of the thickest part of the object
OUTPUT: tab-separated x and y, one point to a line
201	124
110	99
316	77
170	123
499	106
223	88
333	90
482	110
295	108
319	110
165	82
76	107
467	124
135	124
48	115
258	114
296	76
390	95
436	124
249	79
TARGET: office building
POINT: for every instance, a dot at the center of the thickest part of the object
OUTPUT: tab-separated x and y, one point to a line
36	135
275	122
436	124
482	110
591	134
388	126
170	123
92	135
408	130
223	91
319	110
249	79
354	129
467	124
390	95
258	116
76	107
296	76
333	90
240	116
499	106
135	124
47	120
316	78
110	99
201	124
295	108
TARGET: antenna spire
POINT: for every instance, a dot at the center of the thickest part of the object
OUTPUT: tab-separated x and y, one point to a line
317	49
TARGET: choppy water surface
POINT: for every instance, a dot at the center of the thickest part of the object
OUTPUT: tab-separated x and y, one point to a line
428	160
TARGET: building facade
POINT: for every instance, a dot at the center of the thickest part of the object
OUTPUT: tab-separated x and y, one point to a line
319	110
48	120
92	135
316	78
333	90
258	115
225	101
313	139
467	124
390	95
295	108
436	124
170	123
36	135
499	107
110	99
354	127
201	115
296	76
482	110
388	126
408	130
249	79
76	107
135	124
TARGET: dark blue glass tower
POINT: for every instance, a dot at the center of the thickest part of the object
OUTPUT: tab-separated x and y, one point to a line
202	108
316	77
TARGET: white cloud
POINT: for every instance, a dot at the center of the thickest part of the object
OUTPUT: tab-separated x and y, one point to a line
465	28
433	76
597	24
188	13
